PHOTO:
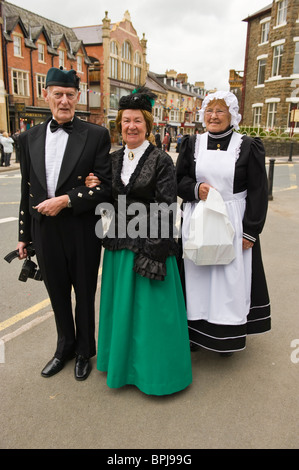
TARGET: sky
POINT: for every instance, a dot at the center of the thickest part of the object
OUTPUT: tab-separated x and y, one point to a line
202	38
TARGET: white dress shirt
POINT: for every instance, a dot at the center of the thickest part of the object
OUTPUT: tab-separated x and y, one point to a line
55	148
130	165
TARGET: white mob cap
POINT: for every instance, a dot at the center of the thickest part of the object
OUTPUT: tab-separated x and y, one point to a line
231	102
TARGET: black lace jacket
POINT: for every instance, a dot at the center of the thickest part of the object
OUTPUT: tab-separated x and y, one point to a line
152	189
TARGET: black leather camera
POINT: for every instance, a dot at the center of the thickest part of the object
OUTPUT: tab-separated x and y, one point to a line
29	268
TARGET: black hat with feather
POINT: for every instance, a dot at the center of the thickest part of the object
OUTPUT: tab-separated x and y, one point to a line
141	98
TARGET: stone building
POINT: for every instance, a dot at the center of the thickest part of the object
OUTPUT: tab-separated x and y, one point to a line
119	64
31	45
271	72
178	105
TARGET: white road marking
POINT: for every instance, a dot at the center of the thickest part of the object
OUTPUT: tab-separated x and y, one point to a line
8	219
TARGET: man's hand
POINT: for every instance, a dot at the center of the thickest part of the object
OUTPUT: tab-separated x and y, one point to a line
21	246
53	206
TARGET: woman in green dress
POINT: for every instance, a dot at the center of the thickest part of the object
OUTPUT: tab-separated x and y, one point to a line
143	334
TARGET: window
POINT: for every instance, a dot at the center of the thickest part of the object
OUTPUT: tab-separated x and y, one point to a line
174	115
137	75
17	46
296	58
20	82
113	67
126	51
282	12
293	108
40	84
261	71
265	32
126	67
271	117
257	116
277	57
113	48
158	113
137	68
113	60
83	96
79	63
41	52
61	58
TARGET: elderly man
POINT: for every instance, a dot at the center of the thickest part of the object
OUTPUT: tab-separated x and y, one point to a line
57	213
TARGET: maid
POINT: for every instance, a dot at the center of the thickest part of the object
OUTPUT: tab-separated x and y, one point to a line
225	303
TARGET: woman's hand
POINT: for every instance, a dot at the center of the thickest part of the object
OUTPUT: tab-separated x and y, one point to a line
247	244
203	191
91	181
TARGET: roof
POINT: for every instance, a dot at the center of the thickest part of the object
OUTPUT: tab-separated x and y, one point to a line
33	25
259	13
89	34
32	20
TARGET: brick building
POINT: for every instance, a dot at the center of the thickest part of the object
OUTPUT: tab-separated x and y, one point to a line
31	45
271	73
177	108
119	64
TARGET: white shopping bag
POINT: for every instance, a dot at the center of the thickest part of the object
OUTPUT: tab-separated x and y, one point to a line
211	233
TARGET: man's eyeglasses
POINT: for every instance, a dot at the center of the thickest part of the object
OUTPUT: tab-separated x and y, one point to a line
69	96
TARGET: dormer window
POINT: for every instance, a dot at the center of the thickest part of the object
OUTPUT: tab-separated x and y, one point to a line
17	46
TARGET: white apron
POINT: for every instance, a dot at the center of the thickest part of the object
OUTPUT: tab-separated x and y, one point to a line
219	294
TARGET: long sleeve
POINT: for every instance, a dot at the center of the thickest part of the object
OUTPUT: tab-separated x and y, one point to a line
185	169
24	212
83	198
257	191
155	249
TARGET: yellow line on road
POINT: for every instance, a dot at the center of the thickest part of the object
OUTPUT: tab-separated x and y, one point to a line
26	313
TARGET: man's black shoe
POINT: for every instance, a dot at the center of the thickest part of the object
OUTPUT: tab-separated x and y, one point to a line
82	368
53	367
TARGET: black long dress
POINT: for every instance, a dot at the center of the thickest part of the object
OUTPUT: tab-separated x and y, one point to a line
250	175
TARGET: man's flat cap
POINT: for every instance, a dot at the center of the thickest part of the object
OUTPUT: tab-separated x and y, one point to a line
64	78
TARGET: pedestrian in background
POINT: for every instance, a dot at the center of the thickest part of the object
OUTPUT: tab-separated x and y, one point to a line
225	303
1	150
166	142
158	140
7	143
179	141
57	213
15	137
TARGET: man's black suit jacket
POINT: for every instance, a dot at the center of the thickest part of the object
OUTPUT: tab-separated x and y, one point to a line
87	151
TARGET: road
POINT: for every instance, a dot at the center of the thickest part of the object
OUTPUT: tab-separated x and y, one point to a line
23	303
248	401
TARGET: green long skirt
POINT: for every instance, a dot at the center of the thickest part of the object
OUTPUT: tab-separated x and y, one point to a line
143	333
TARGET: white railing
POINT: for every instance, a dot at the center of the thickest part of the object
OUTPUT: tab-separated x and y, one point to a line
275	133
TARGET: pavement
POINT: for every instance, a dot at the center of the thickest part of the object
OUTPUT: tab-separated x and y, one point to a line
247	401
295	159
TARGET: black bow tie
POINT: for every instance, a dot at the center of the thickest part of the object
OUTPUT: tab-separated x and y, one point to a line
67	126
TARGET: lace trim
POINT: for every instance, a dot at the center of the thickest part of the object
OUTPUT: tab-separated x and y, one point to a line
221	136
238	148
196	150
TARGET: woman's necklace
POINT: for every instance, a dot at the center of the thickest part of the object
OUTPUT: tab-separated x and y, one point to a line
131	156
